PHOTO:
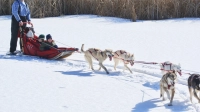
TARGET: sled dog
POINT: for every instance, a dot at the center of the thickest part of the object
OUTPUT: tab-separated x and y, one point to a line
167	84
125	57
169	67
194	86
97	54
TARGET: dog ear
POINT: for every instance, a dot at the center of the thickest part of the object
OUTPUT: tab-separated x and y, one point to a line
173	71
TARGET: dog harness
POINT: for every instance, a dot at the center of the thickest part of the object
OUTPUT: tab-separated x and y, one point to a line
122	52
96	51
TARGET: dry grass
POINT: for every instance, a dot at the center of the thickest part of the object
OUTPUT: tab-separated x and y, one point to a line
130	9
5	9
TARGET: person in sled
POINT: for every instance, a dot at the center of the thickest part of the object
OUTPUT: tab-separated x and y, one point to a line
20	14
43	44
50	41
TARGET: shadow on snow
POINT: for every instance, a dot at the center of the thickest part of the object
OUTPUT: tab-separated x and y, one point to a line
152	85
146	106
80	73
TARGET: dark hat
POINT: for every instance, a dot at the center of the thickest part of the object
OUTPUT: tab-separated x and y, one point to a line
48	36
41	36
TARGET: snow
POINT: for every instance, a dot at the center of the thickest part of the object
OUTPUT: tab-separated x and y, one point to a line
32	84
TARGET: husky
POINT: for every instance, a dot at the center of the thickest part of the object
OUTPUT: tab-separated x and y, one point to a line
125	57
169	67
167	84
194	86
97	54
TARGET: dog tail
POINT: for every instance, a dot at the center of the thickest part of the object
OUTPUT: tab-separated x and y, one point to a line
82	48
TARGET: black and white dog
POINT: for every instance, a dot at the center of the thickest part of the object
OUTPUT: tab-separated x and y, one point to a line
194	86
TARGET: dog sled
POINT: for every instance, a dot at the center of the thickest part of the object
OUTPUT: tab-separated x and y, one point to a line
30	46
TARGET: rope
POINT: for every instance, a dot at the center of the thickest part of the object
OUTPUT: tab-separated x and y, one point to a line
61	43
143	62
191	71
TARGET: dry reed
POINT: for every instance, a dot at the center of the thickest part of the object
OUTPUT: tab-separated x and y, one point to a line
130	9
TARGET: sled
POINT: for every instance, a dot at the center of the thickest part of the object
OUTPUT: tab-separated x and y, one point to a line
30	46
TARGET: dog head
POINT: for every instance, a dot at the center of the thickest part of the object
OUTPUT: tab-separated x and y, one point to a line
130	59
109	53
171	78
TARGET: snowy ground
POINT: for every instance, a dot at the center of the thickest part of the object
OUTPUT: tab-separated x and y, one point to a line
31	84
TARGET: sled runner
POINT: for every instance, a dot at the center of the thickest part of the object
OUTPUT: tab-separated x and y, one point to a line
30	46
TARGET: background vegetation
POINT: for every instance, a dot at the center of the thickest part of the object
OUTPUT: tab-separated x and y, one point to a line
129	9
